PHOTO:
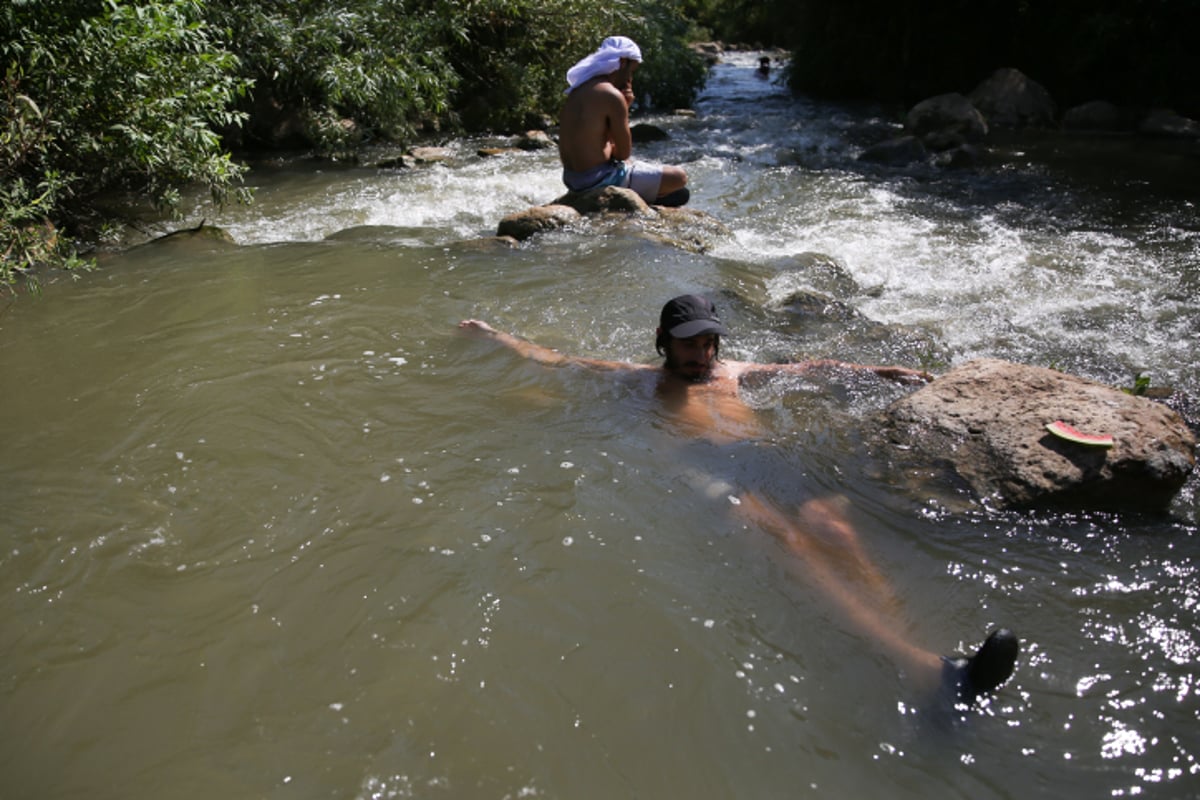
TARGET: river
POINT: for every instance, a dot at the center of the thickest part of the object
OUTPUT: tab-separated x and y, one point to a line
274	528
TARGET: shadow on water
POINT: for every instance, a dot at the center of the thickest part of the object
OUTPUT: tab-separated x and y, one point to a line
274	527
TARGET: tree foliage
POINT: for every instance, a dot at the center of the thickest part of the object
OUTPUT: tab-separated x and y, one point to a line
397	67
382	63
102	95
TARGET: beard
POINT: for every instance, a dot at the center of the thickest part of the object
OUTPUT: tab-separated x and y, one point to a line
692	371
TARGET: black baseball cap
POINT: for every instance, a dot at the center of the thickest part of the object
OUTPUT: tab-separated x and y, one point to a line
690	315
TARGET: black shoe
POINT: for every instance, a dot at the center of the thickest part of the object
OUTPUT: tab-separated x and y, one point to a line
675	199
965	678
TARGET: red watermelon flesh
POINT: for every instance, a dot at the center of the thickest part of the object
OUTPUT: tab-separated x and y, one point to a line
1065	431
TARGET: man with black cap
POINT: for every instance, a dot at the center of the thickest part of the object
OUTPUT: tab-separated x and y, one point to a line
701	393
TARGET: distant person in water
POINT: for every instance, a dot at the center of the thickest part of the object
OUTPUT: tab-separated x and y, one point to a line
700	393
764	66
594	140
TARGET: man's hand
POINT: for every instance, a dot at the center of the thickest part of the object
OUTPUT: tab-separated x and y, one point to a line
904	375
476	325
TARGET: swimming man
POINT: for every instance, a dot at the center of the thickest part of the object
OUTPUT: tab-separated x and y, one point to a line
701	392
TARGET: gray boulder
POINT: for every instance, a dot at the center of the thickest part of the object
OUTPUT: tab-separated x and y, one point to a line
613	209
1008	99
644	132
521	225
945	121
535	140
606	199
984	423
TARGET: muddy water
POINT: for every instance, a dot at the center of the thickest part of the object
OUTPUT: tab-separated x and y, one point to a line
272	527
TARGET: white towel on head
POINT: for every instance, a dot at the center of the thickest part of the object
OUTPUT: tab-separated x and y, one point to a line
605	60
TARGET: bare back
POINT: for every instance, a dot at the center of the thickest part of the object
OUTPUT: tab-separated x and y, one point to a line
594	126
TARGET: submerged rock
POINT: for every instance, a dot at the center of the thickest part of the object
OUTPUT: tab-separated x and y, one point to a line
900	150
201	234
984	423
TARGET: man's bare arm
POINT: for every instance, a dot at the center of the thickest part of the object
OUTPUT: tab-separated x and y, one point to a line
538	353
899	374
617	111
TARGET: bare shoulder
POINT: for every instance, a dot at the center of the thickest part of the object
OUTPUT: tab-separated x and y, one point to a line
598	92
736	369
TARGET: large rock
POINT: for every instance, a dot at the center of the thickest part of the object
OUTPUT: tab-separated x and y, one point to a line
613	209
945	121
1008	99
606	199
644	132
535	140
985	422
520	225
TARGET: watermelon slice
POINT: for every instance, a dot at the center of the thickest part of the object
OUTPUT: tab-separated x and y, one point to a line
1064	431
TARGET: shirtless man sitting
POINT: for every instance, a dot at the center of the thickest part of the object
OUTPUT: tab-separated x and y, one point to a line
701	392
594	140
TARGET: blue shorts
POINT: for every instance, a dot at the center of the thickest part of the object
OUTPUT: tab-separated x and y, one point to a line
640	176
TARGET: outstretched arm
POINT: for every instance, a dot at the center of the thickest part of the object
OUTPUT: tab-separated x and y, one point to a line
899	374
536	352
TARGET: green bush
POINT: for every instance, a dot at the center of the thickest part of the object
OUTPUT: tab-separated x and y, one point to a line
397	68
380	63
103	96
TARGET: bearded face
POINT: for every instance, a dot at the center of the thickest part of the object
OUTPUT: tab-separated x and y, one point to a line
693	358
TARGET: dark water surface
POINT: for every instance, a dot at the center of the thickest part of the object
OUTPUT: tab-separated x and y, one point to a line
273	528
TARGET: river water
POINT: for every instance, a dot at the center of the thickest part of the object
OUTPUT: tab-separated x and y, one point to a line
274	528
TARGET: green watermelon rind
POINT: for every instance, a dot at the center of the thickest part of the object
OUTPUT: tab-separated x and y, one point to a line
1065	431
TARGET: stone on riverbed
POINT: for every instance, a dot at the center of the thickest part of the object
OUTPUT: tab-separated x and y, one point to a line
985	424
537	219
203	235
617	210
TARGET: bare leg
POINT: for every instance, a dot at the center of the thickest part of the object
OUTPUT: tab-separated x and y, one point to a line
825	545
673	179
672	190
829	549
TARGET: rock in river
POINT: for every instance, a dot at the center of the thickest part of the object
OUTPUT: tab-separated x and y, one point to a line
985	423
